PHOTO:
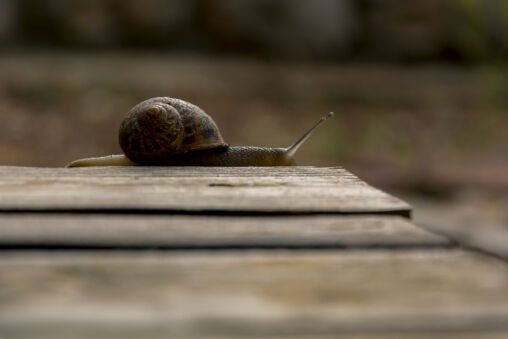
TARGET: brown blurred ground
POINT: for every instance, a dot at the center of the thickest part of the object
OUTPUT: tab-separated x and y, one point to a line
394	123
420	90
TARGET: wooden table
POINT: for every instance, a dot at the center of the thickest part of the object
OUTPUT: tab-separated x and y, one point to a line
229	252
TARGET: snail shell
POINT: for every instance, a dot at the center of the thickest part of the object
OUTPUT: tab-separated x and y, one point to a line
161	127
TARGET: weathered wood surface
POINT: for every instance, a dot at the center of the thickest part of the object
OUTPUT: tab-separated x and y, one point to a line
261	293
211	252
478	223
178	231
193	189
491	239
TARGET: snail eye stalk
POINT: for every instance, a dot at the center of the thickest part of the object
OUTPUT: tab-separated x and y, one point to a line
291	150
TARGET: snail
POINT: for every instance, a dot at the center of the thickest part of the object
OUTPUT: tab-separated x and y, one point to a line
165	131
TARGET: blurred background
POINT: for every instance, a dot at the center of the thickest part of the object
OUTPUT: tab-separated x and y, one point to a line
420	88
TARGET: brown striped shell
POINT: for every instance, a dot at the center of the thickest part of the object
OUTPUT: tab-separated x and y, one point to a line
158	128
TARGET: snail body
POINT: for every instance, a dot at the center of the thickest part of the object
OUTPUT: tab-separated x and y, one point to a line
231	156
171	132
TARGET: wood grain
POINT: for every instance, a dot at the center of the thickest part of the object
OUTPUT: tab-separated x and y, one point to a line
275	293
193	190
178	231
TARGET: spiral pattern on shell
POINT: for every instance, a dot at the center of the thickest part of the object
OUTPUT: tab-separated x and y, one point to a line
159	128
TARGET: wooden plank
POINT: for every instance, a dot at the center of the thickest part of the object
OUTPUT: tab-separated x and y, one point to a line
178	231
256	293
491	239
431	335
478	221
193	190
